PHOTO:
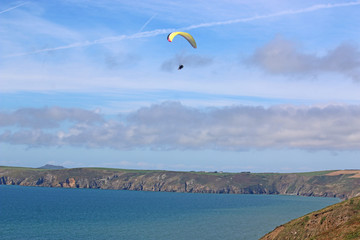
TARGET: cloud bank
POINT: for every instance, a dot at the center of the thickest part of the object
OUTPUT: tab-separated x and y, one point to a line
171	125
281	56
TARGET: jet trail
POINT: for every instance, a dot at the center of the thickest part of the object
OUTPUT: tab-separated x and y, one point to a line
283	13
147	22
145	34
157	32
9	9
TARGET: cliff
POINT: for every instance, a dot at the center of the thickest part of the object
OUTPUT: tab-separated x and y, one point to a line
322	184
339	221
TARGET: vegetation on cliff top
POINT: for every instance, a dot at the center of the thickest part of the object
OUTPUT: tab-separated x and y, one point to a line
339	221
324	183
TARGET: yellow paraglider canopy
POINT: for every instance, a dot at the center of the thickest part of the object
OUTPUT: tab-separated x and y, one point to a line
187	36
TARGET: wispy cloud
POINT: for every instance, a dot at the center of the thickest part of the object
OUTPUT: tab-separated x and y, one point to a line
121	60
47	117
281	56
153	33
12	8
171	125
188	60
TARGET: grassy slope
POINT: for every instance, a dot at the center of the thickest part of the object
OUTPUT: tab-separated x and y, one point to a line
93	172
316	173
339	221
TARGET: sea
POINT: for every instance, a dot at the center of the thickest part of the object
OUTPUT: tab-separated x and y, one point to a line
60	213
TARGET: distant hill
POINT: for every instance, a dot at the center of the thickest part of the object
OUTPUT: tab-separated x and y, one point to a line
339	221
49	166
341	184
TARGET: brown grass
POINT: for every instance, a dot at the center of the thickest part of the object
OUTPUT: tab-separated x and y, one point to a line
356	173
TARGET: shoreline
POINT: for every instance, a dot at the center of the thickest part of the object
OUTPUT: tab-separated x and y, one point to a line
318	184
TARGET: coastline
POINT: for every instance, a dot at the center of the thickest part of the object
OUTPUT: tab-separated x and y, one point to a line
319	184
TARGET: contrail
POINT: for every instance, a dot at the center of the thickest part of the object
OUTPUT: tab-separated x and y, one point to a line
145	34
283	13
148	21
157	32
9	9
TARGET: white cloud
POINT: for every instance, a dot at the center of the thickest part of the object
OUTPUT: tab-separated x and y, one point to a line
171	125
281	56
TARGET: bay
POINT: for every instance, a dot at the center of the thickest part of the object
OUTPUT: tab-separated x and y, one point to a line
58	213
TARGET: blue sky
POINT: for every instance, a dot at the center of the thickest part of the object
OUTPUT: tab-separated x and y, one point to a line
273	85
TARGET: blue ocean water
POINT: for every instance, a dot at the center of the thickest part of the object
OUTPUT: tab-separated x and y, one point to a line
57	213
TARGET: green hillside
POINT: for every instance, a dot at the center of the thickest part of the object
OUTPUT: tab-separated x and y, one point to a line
339	221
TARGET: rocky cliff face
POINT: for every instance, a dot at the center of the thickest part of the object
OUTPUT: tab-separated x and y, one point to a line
339	221
314	184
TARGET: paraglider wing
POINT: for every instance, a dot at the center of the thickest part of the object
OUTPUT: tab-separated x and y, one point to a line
187	36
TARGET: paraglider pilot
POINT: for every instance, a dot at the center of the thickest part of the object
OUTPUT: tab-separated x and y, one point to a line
187	36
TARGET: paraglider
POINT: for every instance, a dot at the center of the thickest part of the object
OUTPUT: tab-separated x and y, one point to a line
187	36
